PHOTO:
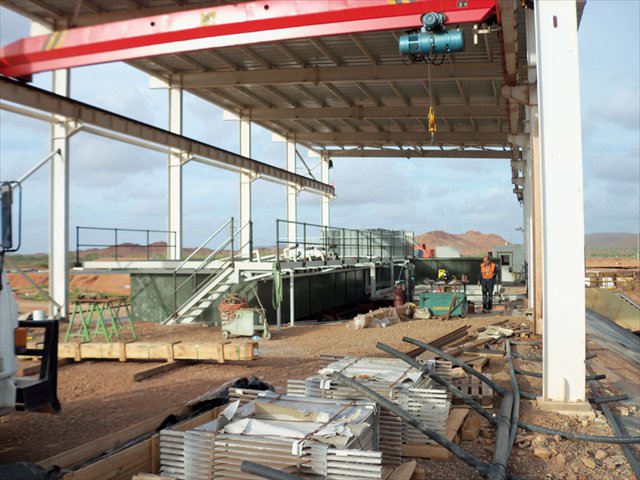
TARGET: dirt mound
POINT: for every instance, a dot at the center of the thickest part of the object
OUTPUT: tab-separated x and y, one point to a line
471	243
108	284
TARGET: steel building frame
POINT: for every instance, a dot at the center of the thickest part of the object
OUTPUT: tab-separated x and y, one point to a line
327	75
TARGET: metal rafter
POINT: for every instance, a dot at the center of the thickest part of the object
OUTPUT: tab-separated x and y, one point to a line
386	112
247	51
276	93
287	52
326	52
218	57
338	94
35	98
486	138
344	74
399	94
368	93
363	48
418	152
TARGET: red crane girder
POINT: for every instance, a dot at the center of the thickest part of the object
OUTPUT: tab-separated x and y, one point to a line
223	26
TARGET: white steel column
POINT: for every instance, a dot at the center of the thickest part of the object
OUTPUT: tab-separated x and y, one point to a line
528	223
59	215
562	201
246	179
292	195
175	176
533	169
326	199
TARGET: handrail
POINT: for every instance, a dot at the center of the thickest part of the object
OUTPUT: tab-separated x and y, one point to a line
203	244
115	244
209	258
347	243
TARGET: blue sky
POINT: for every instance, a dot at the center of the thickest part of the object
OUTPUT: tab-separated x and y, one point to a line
114	184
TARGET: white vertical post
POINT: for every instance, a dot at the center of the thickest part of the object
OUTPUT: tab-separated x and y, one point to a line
292	195
245	189
527	197
59	216
533	169
562	201
326	199
292	299
175	176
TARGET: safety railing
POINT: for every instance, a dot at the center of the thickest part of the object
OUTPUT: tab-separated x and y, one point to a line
137	240
226	252
308	242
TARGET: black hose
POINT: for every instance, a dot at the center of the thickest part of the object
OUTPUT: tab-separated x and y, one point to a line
482	467
502	451
501	391
529	373
515	414
440	381
266	472
613	422
521	424
579	437
609	398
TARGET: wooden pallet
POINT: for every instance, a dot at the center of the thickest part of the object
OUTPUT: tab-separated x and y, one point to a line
471	385
436	452
159	352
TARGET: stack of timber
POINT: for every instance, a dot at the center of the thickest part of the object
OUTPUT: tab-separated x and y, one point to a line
393	379
121	455
336	439
220	352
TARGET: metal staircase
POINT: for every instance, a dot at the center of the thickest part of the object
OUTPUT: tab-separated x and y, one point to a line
204	293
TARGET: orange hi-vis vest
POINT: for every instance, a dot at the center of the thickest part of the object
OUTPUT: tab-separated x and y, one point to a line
487	270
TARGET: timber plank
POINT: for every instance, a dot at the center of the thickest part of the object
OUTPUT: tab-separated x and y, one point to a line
92	449
158	369
212	351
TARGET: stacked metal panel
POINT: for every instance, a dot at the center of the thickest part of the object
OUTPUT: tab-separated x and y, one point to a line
391	378
337	439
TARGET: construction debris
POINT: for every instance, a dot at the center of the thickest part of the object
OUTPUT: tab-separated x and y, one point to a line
393	379
383	317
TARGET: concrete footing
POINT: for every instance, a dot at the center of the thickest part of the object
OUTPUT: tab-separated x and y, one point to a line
572	409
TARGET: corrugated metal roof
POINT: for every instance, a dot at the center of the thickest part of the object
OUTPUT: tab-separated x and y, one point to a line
375	49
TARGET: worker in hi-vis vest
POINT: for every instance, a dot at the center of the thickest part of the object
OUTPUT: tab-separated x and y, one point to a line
488	281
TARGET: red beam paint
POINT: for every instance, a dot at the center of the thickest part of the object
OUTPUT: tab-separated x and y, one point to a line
224	26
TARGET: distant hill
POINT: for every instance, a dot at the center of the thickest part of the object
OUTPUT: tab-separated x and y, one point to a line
612	240
612	244
471	243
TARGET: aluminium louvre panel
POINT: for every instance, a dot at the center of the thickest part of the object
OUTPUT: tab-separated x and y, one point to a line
428	404
423	399
172	453
202	454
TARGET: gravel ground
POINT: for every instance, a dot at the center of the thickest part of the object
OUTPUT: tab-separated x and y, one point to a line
99	398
